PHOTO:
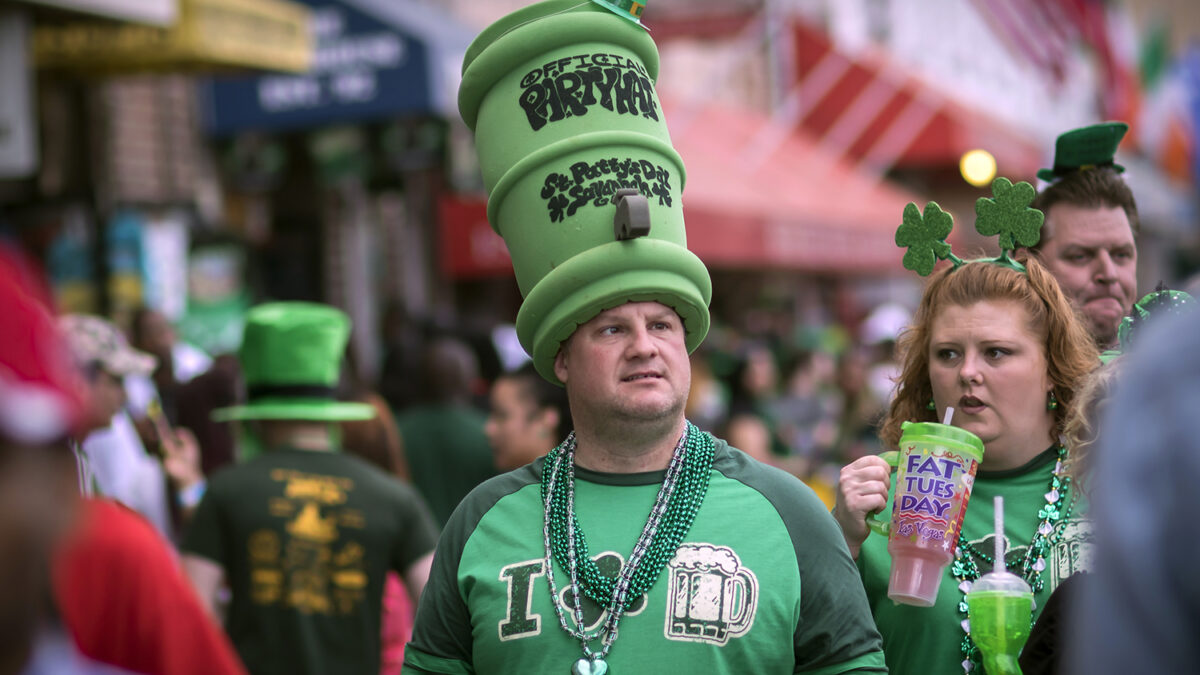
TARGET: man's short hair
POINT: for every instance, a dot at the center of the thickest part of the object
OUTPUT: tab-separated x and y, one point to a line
1092	189
449	370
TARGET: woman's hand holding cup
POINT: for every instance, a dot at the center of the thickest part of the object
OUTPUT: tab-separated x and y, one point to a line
862	490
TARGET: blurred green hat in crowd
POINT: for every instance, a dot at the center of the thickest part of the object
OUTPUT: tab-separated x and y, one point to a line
291	355
1089	147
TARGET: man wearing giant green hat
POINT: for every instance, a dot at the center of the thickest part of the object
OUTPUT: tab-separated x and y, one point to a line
1089	242
303	534
705	559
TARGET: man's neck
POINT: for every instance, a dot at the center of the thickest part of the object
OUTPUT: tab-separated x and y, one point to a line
627	448
301	436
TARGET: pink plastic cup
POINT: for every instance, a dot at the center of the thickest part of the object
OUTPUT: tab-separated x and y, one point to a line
935	471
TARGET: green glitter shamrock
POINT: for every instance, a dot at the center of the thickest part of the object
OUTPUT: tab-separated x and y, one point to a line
1160	302
925	236
1009	216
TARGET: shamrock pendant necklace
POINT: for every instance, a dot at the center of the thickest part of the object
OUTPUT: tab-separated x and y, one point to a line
675	507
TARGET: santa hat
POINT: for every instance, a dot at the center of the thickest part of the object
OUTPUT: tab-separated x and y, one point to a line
42	394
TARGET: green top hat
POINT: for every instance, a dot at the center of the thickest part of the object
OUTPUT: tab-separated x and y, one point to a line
291	354
1085	148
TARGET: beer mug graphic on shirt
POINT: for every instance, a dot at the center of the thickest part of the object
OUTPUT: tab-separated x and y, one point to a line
711	597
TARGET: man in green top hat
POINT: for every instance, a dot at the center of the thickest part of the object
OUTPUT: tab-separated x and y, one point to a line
1089	238
303	534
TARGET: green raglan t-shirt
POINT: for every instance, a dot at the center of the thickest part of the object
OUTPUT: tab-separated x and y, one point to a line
306	539
927	640
763	582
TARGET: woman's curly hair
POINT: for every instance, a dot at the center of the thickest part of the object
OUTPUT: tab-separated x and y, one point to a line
1070	351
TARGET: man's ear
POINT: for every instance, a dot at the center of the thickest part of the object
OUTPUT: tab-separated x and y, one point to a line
560	364
548	417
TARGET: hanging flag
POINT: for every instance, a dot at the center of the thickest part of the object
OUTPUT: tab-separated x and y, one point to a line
1167	129
1038	32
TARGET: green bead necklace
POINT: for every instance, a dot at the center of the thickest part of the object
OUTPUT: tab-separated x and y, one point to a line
966	570
670	519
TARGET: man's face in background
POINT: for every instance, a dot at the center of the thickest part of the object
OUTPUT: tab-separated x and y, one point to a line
1091	251
107	399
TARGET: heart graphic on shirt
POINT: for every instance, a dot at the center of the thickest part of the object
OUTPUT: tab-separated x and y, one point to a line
589	667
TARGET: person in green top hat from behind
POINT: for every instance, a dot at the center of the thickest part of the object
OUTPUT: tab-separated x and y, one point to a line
302	534
1089	241
702	558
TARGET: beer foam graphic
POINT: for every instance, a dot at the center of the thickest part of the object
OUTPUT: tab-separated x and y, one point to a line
705	556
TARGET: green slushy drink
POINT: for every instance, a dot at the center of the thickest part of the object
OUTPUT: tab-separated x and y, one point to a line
1000	610
1000	626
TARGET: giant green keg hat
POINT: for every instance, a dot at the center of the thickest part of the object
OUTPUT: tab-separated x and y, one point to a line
583	183
291	355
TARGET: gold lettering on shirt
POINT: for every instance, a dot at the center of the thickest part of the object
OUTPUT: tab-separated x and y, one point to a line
304	564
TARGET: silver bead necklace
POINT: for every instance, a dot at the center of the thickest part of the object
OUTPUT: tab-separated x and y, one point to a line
593	662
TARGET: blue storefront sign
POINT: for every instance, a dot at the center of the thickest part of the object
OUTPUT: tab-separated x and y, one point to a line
373	59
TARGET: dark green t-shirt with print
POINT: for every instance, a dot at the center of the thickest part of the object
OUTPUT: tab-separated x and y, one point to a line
306	539
762	583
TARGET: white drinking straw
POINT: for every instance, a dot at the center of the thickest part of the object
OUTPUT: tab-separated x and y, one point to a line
948	416
998	505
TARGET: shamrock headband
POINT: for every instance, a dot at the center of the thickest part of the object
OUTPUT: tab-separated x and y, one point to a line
1161	302
1008	215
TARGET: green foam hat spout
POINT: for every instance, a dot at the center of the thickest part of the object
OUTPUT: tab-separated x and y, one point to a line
626	9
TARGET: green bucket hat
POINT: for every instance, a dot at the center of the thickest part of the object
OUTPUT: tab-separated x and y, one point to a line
1085	148
291	353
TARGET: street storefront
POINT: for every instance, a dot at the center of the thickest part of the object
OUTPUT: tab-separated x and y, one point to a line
145	12
115	192
205	35
342	165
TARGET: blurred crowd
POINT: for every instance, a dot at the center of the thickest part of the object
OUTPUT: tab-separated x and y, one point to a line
453	409
807	399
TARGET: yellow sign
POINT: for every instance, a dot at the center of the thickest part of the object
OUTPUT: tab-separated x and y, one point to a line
208	35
